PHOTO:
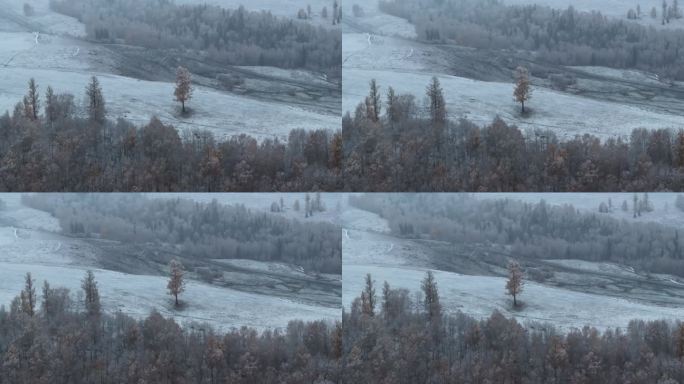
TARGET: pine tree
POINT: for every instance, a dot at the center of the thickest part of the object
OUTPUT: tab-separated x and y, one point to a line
368	297
373	102
176	284
515	283
432	306
392	115
437	104
522	92
92	295
96	102
50	109
28	296
32	101
184	89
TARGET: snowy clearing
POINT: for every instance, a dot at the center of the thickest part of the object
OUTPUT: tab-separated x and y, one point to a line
30	241
221	113
403	263
138	295
479	296
566	115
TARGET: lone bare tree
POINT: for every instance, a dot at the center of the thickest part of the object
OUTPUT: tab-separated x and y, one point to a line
522	92
176	283
183	90
515	283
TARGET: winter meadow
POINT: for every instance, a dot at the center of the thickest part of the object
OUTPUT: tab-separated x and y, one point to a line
331	191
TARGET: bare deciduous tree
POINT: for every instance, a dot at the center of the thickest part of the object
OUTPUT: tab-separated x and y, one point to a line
183	91
176	284
515	282
523	91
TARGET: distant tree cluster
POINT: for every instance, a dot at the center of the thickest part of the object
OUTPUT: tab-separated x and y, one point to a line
416	148
199	231
402	343
235	37
567	37
62	341
533	231
61	150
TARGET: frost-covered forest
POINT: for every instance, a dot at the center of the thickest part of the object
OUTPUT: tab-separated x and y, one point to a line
535	230
392	142
231	37
49	144
52	335
394	336
566	37
201	231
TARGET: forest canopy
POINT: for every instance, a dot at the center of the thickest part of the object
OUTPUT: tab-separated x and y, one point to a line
537	231
63	150
563	37
199	230
231	37
402	343
61	343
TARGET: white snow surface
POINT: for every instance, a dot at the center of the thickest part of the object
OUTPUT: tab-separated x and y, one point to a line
57	58
221	113
403	264
30	242
481	102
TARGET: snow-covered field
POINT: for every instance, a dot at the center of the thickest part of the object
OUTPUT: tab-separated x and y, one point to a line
30	242
606	103
221	113
566	115
403	264
55	57
480	295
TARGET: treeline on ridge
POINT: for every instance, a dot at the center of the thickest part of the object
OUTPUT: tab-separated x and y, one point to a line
536	231
391	143
389	337
232	37
64	150
48	337
200	230
563	37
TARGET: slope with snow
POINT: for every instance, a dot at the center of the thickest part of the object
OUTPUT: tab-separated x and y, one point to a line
49	48
604	102
30	241
403	264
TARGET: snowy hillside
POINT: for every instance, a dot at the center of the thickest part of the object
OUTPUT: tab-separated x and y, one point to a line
49	48
403	264
31	241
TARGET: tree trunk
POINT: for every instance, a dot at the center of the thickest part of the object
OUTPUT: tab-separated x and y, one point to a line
183	104
523	106
176	296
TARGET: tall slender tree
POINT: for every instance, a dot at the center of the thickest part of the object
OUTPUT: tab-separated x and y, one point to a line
183	90
523	91
515	282
28	296
176	284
